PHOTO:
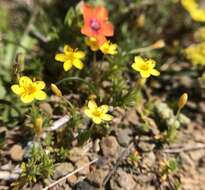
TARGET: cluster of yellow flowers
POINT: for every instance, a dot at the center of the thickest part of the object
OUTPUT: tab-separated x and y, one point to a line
196	53
197	13
29	90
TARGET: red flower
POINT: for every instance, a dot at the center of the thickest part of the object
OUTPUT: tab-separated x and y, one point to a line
96	23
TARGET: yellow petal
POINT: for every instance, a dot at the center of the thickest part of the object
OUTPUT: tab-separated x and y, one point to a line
97	120
139	60
40	95
151	63
103	108
27	98
155	72
79	54
78	64
25	81
92	105
40	85
67	65
16	89
61	57
145	74
135	66
107	117
67	49
88	113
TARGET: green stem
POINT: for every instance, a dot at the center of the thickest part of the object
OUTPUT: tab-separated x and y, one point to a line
92	87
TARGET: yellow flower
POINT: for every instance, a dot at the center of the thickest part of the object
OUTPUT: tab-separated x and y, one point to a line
70	57
56	90
109	48
97	114
196	53
194	10
29	90
145	67
92	43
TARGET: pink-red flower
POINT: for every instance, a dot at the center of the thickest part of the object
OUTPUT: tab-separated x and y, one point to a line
96	23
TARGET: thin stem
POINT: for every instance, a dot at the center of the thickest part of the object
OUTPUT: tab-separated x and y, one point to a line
92	87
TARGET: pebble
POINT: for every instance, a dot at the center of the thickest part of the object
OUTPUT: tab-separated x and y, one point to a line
96	178
109	146
76	154
124	136
62	169
72	180
16	152
122	181
84	185
82	162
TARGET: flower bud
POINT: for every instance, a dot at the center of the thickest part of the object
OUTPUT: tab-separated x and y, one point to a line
182	100
56	90
38	125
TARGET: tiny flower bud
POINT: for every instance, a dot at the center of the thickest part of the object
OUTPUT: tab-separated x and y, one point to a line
92	97
56	90
159	44
182	100
38	125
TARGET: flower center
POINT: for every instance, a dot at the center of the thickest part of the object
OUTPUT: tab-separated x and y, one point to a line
145	67
97	113
30	89
94	24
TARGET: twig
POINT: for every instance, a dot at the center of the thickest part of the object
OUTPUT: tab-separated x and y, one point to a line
124	155
70	174
59	123
185	148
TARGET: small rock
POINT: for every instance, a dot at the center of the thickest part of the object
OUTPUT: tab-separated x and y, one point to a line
149	159
72	180
109	146
4	175
82	162
62	169
76	154
16	152
84	185
124	136
46	108
96	145
96	178
146	145
122	181
131	117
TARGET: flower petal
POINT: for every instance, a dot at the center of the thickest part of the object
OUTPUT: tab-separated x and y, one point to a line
27	98
24	81
155	72
88	11
135	66
40	95
107	29
139	60
61	57
79	54
16	89
67	49
101	13
145	74
103	108
92	105
107	117
101	39
78	64
88	112
40	85
97	120
67	65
